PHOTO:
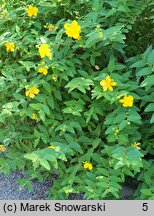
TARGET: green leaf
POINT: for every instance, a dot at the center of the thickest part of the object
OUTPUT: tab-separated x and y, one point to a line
120	153
93	38
47	86
150	108
122	139
150	59
119	164
91	176
37	106
76	147
27	64
146	192
96	143
74	107
111	138
111	65
80	83
57	95
96	157
31	156
152	119
45	163
108	150
147	178
115	185
46	109
50	101
134	117
103	184
89	183
138	64
134	155
148	81
42	115
144	71
122	124
96	5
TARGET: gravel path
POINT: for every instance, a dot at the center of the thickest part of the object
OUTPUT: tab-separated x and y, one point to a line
9	189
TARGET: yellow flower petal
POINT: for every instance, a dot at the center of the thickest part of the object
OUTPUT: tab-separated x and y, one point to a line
113	83
31	95
66	26
110	88
103	82
136	145
108	79
105	88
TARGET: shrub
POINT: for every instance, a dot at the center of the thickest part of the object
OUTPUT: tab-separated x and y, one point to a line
77	95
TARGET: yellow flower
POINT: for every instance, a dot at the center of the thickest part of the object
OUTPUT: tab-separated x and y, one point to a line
32	92
136	145
2	148
32	11
10	47
73	30
87	165
107	83
45	51
52	147
127	101
34	116
43	70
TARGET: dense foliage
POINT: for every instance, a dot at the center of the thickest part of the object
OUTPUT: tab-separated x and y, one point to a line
77	95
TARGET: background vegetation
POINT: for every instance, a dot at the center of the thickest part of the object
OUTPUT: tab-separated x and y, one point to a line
80	108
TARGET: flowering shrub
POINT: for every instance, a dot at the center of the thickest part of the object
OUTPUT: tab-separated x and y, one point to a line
74	101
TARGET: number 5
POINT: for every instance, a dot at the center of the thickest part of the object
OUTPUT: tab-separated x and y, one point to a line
145	207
